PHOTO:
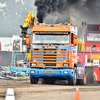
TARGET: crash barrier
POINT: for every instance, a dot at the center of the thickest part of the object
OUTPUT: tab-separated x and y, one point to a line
77	96
10	94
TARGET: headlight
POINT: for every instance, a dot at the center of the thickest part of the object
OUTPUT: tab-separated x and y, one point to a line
32	71
65	72
33	64
66	65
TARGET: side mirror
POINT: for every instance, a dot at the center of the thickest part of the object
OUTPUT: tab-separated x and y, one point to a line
75	36
27	40
75	40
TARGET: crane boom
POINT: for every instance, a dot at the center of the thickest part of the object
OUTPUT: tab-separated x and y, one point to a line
30	21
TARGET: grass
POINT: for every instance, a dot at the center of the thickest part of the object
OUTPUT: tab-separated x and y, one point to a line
20	77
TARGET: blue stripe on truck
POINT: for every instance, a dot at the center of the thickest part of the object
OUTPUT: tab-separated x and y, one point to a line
57	72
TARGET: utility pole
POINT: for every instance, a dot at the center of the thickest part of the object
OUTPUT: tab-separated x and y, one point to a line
70	16
73	21
79	31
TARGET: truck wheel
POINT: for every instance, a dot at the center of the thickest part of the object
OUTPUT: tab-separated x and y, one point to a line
82	81
33	80
73	80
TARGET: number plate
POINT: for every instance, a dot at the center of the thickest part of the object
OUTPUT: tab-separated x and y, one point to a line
49	71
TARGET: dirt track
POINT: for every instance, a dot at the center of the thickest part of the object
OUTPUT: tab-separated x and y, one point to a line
26	91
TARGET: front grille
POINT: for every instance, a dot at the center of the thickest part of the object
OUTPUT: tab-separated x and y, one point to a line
50	57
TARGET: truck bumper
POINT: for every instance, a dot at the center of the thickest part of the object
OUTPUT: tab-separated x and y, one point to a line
51	72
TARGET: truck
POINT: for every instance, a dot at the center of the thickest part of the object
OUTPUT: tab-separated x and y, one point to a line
89	52
52	52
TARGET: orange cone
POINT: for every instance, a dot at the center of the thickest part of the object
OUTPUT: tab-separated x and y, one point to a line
77	97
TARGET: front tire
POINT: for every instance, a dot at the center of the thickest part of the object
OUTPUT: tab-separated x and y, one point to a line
33	80
73	80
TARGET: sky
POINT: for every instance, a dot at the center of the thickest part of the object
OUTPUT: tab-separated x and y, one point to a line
12	14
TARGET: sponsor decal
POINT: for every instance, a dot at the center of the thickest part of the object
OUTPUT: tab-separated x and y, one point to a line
93	49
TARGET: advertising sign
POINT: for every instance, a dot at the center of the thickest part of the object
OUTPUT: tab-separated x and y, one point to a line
17	43
6	43
94	49
95	56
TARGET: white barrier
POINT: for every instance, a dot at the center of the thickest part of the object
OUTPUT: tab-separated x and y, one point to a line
10	94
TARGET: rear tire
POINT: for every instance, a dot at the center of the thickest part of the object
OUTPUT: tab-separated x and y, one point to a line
33	80
73	80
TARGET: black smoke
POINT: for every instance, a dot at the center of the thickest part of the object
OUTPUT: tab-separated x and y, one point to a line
45	7
86	8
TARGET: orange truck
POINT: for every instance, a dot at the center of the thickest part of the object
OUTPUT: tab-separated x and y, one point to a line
53	52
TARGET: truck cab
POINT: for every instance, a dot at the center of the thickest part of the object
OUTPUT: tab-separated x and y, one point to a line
53	53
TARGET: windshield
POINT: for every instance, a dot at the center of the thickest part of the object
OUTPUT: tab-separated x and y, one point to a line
93	36
51	38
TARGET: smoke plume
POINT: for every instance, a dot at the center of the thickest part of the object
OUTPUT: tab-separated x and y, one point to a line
45	7
85	8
